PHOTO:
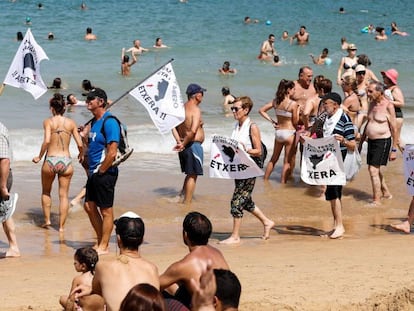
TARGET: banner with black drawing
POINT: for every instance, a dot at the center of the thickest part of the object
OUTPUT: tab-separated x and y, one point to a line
322	162
229	160
409	168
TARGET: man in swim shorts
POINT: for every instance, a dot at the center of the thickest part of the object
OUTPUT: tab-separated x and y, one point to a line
189	136
380	132
102	150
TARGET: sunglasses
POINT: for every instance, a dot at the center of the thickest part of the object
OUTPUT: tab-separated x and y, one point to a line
360	73
235	109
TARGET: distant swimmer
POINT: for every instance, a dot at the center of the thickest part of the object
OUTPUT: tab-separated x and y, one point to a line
276	61
89	35
126	65
396	31
285	35
50	36
158	44
301	37
19	36
248	20
344	43
137	49
225	69
267	50
228	99
321	59
381	35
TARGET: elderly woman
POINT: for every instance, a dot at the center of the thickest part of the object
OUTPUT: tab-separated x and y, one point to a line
394	94
339	125
58	131
248	134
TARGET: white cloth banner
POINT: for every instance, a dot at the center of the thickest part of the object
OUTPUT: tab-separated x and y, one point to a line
409	168
229	160
322	162
24	72
160	95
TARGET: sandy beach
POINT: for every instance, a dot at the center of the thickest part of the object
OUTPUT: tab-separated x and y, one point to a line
296	269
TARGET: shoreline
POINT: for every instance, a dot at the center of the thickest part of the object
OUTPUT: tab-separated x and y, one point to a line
296	269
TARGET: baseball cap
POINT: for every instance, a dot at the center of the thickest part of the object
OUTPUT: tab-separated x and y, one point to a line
194	89
360	68
334	97
97	92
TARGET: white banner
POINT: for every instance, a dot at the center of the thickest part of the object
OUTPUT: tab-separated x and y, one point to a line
229	160
409	168
24	72
322	162
160	95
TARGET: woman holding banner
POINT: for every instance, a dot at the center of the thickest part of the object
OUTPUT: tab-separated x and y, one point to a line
248	135
339	125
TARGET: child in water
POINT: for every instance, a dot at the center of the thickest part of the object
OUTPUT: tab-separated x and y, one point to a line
85	260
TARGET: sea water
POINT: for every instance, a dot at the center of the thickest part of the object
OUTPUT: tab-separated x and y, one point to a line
201	36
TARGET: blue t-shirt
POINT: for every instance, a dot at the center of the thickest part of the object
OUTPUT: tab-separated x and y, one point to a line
97	142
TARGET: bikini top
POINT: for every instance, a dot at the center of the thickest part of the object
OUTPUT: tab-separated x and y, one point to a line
60	130
283	112
346	66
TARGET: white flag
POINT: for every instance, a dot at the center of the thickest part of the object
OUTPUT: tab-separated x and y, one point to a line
322	162
24	71
229	160
160	95
409	168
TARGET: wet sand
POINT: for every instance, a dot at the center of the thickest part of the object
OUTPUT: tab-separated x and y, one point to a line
297	269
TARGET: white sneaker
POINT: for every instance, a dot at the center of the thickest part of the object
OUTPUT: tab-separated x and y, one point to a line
8	207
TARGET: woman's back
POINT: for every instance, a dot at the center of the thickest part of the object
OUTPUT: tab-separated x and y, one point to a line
59	129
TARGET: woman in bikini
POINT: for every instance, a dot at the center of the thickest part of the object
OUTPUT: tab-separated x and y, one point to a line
287	114
58	131
348	64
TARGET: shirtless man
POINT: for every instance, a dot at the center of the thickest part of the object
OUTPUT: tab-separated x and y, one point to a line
301	37
177	278
304	90
268	51
137	49
381	127
89	35
126	65
114	277
189	136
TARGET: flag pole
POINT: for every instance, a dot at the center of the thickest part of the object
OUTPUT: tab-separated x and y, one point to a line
127	92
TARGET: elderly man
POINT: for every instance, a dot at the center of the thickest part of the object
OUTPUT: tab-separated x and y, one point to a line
381	132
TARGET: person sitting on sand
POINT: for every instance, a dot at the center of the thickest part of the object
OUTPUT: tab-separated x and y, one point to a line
84	261
177	278
114	277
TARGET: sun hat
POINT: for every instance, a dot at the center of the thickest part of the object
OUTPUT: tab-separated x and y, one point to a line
391	74
352	46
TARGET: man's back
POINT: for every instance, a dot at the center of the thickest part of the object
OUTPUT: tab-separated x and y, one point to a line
115	277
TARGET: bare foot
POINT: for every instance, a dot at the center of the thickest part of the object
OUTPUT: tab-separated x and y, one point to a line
12	253
46	225
267	227
373	204
337	233
387	196
230	240
61	230
101	251
403	227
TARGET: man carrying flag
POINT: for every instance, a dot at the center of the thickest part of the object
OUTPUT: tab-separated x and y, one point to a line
24	71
